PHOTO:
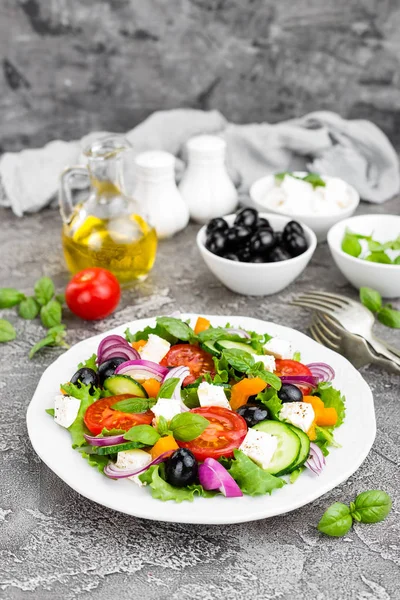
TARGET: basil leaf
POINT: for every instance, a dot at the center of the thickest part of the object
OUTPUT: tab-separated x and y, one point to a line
89	363
371	299
44	290
10	297
190	397
238	359
315	180
55	337
187	426
168	387
145	434
28	308
50	411
162	425
351	245
297	356
46	341
251	478
176	328
50	314
259	370
389	317
60	298
336	521
279	177
379	257
373	506
7	331
133	405
397	260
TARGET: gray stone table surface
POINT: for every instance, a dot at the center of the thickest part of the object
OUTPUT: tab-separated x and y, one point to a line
55	544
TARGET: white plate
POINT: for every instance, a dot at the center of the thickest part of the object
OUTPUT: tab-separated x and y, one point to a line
53	444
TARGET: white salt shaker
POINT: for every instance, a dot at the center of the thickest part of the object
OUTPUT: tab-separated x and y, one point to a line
156	190
206	186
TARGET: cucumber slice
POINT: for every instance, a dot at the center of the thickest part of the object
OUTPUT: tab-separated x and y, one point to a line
123	384
304	447
117	448
210	347
288	446
228	345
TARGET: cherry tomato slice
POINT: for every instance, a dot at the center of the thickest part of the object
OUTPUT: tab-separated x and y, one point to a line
225	432
100	415
186	355
286	367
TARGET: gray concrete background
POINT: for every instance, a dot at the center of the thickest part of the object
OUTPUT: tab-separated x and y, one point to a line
56	545
72	66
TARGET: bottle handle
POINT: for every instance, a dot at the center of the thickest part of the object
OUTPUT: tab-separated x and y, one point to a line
72	178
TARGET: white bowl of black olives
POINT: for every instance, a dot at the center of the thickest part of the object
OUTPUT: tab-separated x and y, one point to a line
256	254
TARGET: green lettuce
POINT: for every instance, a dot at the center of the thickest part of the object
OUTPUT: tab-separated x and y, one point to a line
162	490
270	399
96	460
78	428
251	479
89	363
332	398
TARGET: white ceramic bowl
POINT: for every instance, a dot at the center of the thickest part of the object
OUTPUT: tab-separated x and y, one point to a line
381	277
320	224
257	279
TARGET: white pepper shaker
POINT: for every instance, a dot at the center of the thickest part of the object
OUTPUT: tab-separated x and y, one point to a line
156	190
206	186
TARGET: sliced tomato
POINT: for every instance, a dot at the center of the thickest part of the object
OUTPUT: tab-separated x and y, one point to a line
224	434
286	367
186	355
100	415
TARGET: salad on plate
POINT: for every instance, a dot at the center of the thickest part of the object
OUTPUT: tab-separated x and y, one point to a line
188	409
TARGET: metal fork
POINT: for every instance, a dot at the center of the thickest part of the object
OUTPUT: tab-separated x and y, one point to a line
351	315
328	332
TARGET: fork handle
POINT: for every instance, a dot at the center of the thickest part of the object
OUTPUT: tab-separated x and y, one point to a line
391	348
383	350
385	363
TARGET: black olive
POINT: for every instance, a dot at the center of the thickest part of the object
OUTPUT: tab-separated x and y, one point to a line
277	254
86	376
293	227
231	256
247	217
244	254
107	368
237	236
263	223
253	414
217	224
296	244
216	242
290	393
262	241
181	468
257	258
278	235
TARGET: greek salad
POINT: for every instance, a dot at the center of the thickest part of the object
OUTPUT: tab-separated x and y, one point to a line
190	409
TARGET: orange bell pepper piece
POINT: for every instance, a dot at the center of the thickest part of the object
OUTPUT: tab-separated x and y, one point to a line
242	390
316	403
164	444
201	325
138	345
312	434
324	417
152	387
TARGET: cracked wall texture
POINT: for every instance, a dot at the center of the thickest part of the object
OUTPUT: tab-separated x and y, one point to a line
69	66
57	545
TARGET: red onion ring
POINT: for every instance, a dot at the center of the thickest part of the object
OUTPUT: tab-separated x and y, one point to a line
316	460
118	350
111	440
322	371
240	332
299	380
181	373
213	476
142	369
115	473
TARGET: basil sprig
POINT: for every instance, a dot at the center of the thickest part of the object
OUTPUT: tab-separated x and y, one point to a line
384	312
184	427
168	387
134	405
244	362
371	506
145	434
10	297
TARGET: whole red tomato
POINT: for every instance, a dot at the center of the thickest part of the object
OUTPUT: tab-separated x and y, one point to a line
93	293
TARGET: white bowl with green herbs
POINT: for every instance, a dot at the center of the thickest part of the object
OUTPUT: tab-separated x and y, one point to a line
366	249
319	201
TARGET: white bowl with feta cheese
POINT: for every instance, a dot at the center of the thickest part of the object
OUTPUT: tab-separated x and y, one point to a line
319	207
258	279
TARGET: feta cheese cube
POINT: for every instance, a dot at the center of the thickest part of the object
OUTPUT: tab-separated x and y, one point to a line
155	349
260	447
167	408
212	395
268	362
279	348
133	459
65	410
299	414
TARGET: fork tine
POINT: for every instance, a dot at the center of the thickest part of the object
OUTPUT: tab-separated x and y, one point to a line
314	306
321	339
324	301
319	322
337	297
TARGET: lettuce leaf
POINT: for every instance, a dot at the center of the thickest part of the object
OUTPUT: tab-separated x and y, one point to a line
270	399
251	479
96	460
161	490
89	363
144	334
78	427
332	398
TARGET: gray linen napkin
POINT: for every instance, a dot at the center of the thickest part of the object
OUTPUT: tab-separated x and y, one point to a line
356	151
